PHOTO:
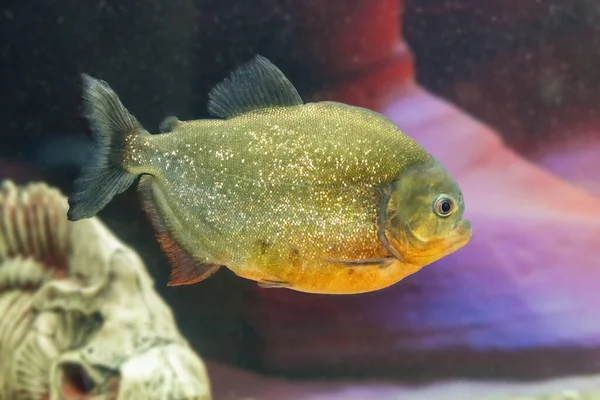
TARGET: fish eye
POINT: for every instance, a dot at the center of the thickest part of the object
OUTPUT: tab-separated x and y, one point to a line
444	206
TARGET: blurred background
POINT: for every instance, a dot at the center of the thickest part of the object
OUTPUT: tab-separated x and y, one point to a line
504	92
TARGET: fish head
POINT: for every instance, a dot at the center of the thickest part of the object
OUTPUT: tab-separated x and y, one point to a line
168	371
424	215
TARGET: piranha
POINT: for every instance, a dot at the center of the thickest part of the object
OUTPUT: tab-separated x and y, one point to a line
317	197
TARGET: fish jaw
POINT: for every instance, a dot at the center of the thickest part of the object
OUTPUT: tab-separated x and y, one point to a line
420	253
459	236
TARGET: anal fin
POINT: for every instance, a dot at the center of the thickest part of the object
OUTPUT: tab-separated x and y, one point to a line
274	284
185	269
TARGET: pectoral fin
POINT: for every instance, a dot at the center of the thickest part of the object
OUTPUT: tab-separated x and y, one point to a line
382	262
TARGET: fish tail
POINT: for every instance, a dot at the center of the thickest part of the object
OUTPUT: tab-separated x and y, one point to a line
105	175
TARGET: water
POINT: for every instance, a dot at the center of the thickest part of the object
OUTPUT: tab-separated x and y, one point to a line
504	94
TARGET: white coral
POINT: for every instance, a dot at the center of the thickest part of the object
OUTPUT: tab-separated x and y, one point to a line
80	316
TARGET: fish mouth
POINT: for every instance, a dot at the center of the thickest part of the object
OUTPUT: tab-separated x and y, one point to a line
460	235
416	251
463	225
461	232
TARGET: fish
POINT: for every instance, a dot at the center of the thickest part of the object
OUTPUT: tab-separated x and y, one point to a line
320	197
79	316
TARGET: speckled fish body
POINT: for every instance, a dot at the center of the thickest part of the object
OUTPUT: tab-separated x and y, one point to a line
272	194
289	194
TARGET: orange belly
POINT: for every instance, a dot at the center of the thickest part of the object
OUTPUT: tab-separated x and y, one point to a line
328	278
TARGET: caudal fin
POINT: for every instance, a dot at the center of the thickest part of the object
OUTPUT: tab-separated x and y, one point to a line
104	176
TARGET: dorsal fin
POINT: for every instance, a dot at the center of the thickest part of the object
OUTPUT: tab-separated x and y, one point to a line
252	86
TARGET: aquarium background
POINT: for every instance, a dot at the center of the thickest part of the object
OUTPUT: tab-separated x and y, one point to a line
504	93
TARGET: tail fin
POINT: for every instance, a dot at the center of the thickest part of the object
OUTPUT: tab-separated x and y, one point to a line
104	177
